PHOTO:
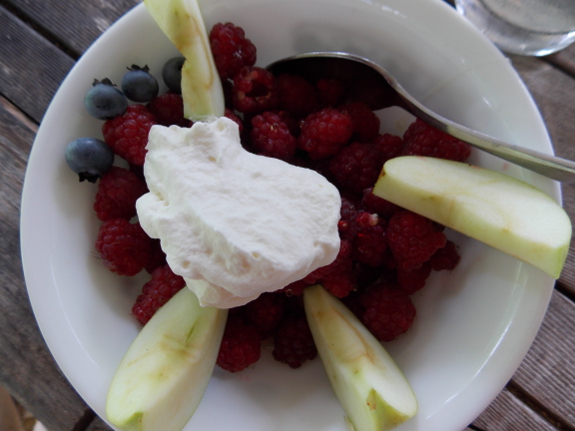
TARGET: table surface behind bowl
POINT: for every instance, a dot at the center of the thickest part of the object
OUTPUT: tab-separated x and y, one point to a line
40	40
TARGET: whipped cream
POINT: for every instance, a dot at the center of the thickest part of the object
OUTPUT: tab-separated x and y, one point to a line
232	223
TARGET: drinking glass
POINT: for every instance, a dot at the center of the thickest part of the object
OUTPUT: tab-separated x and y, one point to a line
524	27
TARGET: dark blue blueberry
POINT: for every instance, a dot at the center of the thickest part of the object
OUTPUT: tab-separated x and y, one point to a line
104	101
138	85
172	74
90	158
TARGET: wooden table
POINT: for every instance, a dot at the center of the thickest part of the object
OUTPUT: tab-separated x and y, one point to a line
39	42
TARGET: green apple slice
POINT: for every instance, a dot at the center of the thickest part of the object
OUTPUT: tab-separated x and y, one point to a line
371	388
494	208
182	22
165	372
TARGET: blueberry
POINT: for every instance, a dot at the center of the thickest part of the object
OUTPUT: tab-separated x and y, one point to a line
104	101
138	85
90	158
172	74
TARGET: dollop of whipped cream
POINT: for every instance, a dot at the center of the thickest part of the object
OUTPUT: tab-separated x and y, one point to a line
232	223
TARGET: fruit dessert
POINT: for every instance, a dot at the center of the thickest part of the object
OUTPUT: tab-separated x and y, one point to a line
350	256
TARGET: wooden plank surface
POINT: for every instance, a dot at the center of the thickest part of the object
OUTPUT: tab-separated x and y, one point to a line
33	42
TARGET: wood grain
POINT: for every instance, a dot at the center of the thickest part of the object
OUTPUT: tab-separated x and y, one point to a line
27	368
31	68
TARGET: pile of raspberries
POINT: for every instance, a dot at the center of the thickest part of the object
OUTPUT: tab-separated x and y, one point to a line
386	253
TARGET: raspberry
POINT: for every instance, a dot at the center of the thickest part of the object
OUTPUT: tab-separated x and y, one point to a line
228	113
231	49
421	139
117	193
124	247
390	146
374	204
356	167
370	244
410	281
157	258
296	95
265	313
388	313
413	239
169	110
294	289
293	342
162	286
128	135
324	132
271	136
240	346
254	90
330	92
340	281
347	225
365	122
343	254
445	258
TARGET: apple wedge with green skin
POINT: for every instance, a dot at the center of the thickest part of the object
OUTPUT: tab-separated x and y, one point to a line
165	372
496	209
371	388
182	22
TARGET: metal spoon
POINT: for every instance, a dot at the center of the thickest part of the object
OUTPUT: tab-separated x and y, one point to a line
370	83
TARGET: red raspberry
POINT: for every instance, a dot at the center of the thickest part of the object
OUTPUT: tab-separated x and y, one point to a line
445	258
271	136
294	289
240	346
293	342
341	280
421	139
228	113
124	247
347	225
356	167
388	313
169	110
343	255
365	122
254	90
410	281
297	95
330	92
374	204
158	257
324	132
390	146
117	193
370	244
231	49
265	313
128	135
413	239
162	286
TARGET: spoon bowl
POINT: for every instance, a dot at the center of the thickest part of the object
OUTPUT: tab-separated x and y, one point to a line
370	83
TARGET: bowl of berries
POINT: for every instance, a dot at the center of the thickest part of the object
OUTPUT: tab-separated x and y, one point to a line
109	178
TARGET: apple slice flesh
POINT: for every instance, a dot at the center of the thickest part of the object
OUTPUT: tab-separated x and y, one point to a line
371	388
165	372
182	22
501	211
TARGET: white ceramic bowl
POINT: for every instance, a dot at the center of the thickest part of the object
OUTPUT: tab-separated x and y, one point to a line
474	325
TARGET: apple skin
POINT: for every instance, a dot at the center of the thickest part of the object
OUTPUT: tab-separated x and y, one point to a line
182	22
165	372
371	388
496	209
